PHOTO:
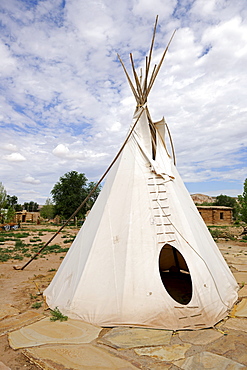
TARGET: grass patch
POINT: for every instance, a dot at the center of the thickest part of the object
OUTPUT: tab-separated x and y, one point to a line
69	240
4	255
35	239
37	305
57	315
18	249
221	232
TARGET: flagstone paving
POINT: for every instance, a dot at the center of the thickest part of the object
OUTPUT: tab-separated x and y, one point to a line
78	357
136	337
45	332
241	268
16	322
241	277
233	346
168	353
243	292
236	324
201	337
241	308
207	360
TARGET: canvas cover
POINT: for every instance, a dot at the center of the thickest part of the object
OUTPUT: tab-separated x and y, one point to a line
144	223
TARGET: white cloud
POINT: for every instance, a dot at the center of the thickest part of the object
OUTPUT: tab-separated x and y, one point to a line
10	147
61	150
31	180
14	157
66	103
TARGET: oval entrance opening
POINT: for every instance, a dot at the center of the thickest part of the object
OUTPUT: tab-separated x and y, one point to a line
175	274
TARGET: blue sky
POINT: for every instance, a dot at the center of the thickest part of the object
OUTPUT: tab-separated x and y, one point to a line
66	105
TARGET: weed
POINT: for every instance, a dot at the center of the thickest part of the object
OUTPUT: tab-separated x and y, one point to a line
33	296
18	257
51	270
19	244
57	315
4	256
37	305
68	240
35	239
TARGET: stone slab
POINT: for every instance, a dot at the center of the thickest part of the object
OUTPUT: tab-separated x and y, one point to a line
136	337
200	337
236	324
169	353
234	260
242	267
6	310
243	292
45	332
241	308
241	277
233	346
207	360
16	322
76	357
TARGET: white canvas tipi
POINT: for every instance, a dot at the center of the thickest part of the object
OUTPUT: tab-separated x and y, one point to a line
144	256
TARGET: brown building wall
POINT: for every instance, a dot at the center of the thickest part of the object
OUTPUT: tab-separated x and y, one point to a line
25	216
216	215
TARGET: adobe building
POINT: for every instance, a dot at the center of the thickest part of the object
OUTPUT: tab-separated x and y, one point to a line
26	216
216	215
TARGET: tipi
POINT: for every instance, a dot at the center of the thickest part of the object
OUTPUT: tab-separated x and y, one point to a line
144	256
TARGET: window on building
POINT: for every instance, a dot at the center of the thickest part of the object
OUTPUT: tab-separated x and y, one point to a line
221	215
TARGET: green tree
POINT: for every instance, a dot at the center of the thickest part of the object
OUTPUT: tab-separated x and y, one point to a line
93	197
47	211
225	200
243	203
69	192
13	202
10	216
31	206
3	198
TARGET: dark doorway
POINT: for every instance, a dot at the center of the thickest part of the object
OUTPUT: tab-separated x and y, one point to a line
175	274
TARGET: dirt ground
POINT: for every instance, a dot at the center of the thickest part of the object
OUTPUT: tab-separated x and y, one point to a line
23	288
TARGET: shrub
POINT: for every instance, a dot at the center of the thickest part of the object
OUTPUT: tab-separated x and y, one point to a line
57	315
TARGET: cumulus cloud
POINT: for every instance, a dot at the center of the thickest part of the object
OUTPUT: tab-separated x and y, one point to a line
10	147
61	150
14	157
30	180
66	103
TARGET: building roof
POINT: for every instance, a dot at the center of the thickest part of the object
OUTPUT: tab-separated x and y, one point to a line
215	207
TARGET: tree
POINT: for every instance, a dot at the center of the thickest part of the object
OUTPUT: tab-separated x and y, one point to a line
243	203
69	192
3	198
10	216
47	211
93	197
226	201
13	202
31	206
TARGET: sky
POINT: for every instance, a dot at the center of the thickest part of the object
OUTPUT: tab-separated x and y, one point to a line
65	103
